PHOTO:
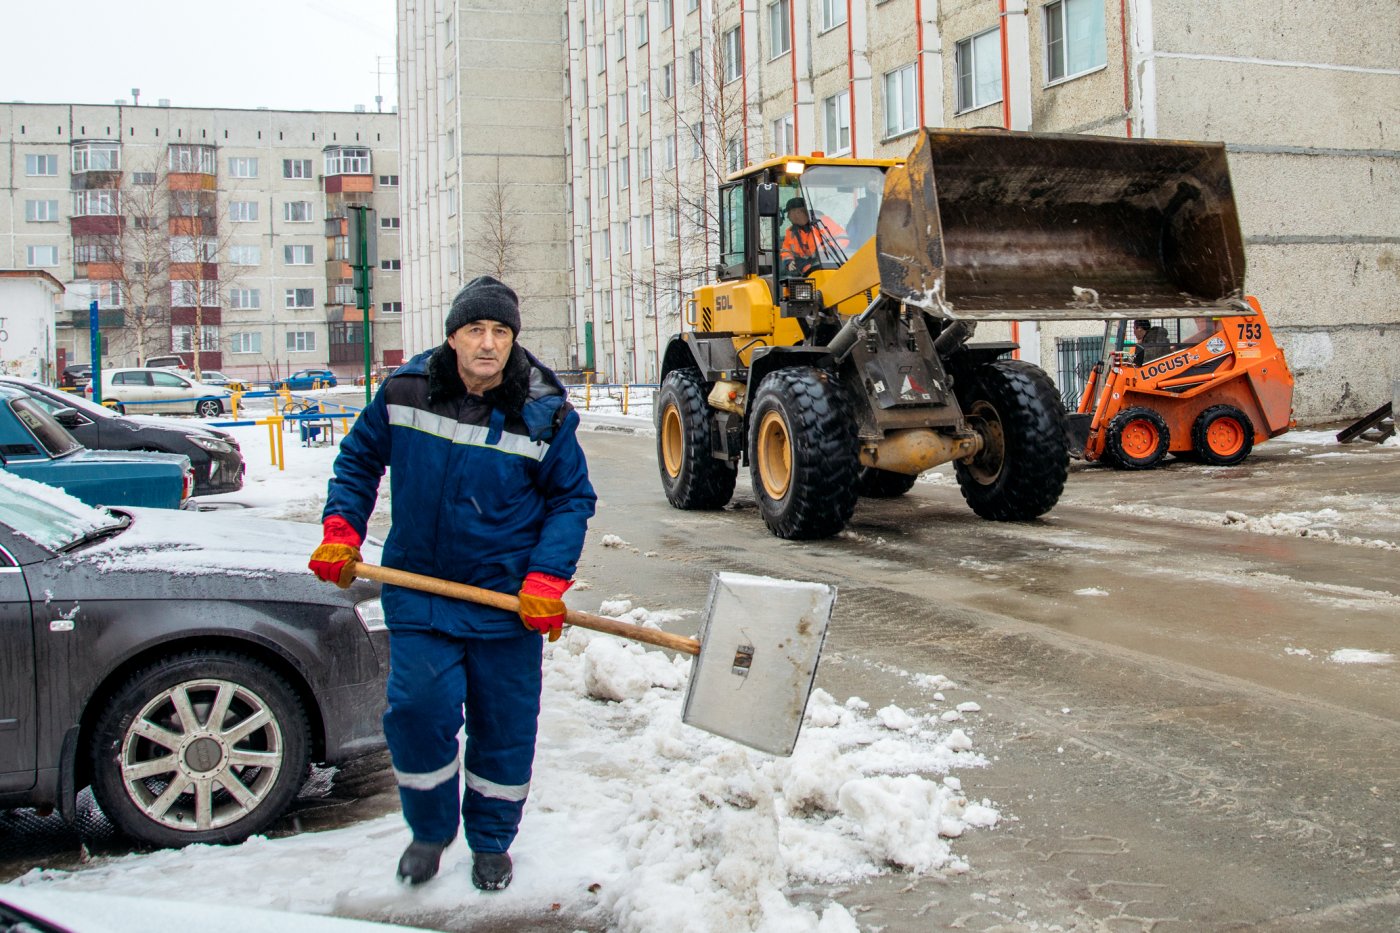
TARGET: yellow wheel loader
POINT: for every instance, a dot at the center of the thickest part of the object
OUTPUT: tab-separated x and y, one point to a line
833	355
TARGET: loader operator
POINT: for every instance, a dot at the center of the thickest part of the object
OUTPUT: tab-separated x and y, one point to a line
811	242
490	488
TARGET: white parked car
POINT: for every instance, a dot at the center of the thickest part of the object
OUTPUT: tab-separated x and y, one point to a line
162	390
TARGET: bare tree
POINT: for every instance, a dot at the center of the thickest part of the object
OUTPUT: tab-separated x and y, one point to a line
497	245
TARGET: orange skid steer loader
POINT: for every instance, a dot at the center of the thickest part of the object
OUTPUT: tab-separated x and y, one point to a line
1206	388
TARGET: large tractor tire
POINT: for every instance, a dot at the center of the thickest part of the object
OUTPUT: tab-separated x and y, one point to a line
1137	439
692	477
803	455
1020	471
875	483
1222	436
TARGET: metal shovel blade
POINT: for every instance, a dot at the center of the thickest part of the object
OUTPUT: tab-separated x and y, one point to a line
762	639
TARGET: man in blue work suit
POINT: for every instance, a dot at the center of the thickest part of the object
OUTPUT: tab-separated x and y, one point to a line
489	487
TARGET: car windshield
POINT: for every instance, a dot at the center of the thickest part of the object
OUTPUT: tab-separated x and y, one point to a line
53	436
49	516
847	196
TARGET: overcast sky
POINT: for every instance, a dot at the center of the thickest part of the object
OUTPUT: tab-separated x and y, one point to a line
283	54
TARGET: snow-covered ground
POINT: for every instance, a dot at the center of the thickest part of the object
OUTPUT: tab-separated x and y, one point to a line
634	821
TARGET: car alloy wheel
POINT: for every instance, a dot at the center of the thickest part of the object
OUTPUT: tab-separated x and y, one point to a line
204	747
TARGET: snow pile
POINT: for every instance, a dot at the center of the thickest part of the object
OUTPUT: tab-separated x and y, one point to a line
1307	524
1360	656
635	822
45	514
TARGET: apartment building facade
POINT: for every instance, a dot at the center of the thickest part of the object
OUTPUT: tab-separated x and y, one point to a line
210	229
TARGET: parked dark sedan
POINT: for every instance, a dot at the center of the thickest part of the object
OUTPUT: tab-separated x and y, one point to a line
185	665
214	454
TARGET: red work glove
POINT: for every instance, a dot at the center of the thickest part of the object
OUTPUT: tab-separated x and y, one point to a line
542	603
340	547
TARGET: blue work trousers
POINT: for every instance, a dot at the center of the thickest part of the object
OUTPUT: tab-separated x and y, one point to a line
432	679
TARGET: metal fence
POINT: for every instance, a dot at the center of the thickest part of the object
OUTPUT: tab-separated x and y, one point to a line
1075	356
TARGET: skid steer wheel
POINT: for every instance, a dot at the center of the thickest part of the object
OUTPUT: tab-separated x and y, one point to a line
1137	439
690	474
1222	436
875	483
1020	471
803	456
205	746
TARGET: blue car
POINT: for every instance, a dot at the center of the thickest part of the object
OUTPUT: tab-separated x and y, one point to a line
304	379
35	446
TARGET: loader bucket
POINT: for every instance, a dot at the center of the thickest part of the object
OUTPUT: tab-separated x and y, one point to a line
995	225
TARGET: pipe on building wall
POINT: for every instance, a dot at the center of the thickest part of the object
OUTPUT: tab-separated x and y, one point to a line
792	54
1144	67
1127	72
850	79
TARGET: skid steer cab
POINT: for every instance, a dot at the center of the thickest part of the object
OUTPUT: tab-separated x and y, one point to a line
833	353
1205	388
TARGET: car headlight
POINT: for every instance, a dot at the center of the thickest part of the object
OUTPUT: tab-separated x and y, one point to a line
371	615
211	443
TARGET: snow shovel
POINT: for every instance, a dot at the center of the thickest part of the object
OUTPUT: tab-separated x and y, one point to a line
755	660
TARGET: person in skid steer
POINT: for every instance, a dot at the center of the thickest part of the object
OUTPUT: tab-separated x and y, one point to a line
811	242
490	488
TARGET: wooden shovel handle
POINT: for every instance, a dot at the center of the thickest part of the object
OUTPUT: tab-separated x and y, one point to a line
475	594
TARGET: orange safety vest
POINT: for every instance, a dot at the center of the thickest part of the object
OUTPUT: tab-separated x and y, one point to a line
805	243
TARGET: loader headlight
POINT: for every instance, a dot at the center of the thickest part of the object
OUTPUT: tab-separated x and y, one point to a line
799	290
370	612
795	167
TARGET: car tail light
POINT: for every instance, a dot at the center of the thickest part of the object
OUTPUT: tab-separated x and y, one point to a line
188	486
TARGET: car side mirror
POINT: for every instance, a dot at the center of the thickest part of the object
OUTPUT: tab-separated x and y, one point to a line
766	200
69	418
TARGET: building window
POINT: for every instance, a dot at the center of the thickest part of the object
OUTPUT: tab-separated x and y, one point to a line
297	255
41	165
692	5
624	174
244	299
187	293
450	195
668	81
448	30
343	294
193	249
837	111
673	223
388	181
296	168
96	202
240	255
389	265
833	13
979	70
669	149
108	294
243	211
182	339
644	163
692	67
243	167
301	341
300	298
391	307
624	237
667	16
1074	38
245	343
605	243
779	28
96	157
388	223
40	211
347	162
192	159
734	153
784	142
644	97
733	56
646	231
697	140
642	34
449	144
296	211
145	179
900	104
42	257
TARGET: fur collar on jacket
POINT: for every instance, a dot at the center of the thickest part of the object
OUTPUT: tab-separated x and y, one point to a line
445	383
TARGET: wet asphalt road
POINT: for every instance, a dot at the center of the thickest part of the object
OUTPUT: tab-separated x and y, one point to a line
1172	747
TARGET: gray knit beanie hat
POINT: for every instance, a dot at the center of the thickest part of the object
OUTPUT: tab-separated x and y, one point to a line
485	299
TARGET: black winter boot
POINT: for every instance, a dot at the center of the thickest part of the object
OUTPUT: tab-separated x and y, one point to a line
491	871
419	861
